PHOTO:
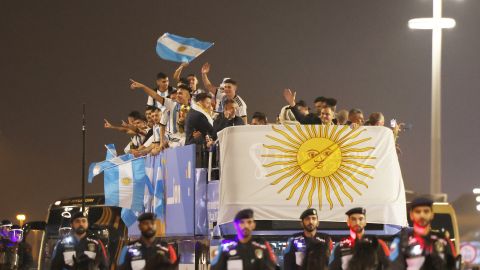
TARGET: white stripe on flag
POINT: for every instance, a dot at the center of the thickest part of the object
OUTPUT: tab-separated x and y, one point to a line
125	185
174	46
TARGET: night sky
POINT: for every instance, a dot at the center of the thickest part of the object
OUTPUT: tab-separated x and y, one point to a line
56	55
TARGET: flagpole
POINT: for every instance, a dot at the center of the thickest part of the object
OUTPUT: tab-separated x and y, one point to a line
84	131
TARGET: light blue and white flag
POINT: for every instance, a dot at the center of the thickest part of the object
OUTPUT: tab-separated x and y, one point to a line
159	194
129	217
150	185
111	151
124	184
180	49
97	168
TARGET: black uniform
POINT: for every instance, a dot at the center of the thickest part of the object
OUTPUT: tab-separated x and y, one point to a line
17	256
366	253
294	254
254	255
433	251
86	253
158	255
3	252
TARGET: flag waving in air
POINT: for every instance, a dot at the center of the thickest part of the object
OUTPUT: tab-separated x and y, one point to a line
124	184
180	49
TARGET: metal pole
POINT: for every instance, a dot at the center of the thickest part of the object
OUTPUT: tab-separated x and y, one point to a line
436	128
84	131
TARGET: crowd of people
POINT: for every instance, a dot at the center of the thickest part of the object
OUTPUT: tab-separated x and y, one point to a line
184	113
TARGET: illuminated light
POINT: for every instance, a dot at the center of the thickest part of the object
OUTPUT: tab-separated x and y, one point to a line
431	23
21	217
57	202
476	191
478	198
478	207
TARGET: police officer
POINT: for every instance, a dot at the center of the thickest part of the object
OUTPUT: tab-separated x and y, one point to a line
5	227
296	251
244	253
359	251
79	250
18	254
422	247
148	252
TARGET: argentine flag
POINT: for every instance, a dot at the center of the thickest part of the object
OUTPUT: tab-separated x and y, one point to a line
124	184
180	49
111	151
159	194
97	168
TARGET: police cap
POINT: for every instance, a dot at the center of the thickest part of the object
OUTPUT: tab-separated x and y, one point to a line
6	222
421	201
356	210
308	212
242	214
146	216
78	215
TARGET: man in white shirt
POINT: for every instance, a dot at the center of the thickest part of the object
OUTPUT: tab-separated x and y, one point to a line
174	114
227	90
162	89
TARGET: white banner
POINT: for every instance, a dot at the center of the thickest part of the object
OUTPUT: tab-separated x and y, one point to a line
279	171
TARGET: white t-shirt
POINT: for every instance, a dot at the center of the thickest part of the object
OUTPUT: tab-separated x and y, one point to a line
150	100
170	115
240	109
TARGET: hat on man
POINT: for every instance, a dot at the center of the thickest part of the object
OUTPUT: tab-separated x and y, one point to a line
356	210
146	216
308	212
421	201
243	214
78	215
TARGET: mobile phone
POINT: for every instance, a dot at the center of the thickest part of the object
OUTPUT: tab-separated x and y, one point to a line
393	123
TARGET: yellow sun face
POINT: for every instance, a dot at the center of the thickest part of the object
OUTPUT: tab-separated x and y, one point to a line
322	160
319	157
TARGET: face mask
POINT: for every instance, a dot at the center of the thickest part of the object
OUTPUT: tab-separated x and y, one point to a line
80	230
149	233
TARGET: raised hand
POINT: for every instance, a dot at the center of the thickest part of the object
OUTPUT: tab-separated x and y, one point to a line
289	96
135	85
183	65
206	68
107	124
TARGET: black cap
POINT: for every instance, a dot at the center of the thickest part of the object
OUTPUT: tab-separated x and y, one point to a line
78	215
6	222
308	212
16	227
242	214
421	201
146	216
356	210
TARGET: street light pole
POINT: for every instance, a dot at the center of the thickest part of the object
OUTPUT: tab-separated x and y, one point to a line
436	24
436	125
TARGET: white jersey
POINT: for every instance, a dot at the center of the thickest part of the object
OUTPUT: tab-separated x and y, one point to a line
150	100
240	109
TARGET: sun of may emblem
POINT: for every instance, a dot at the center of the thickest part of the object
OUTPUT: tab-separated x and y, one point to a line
323	160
